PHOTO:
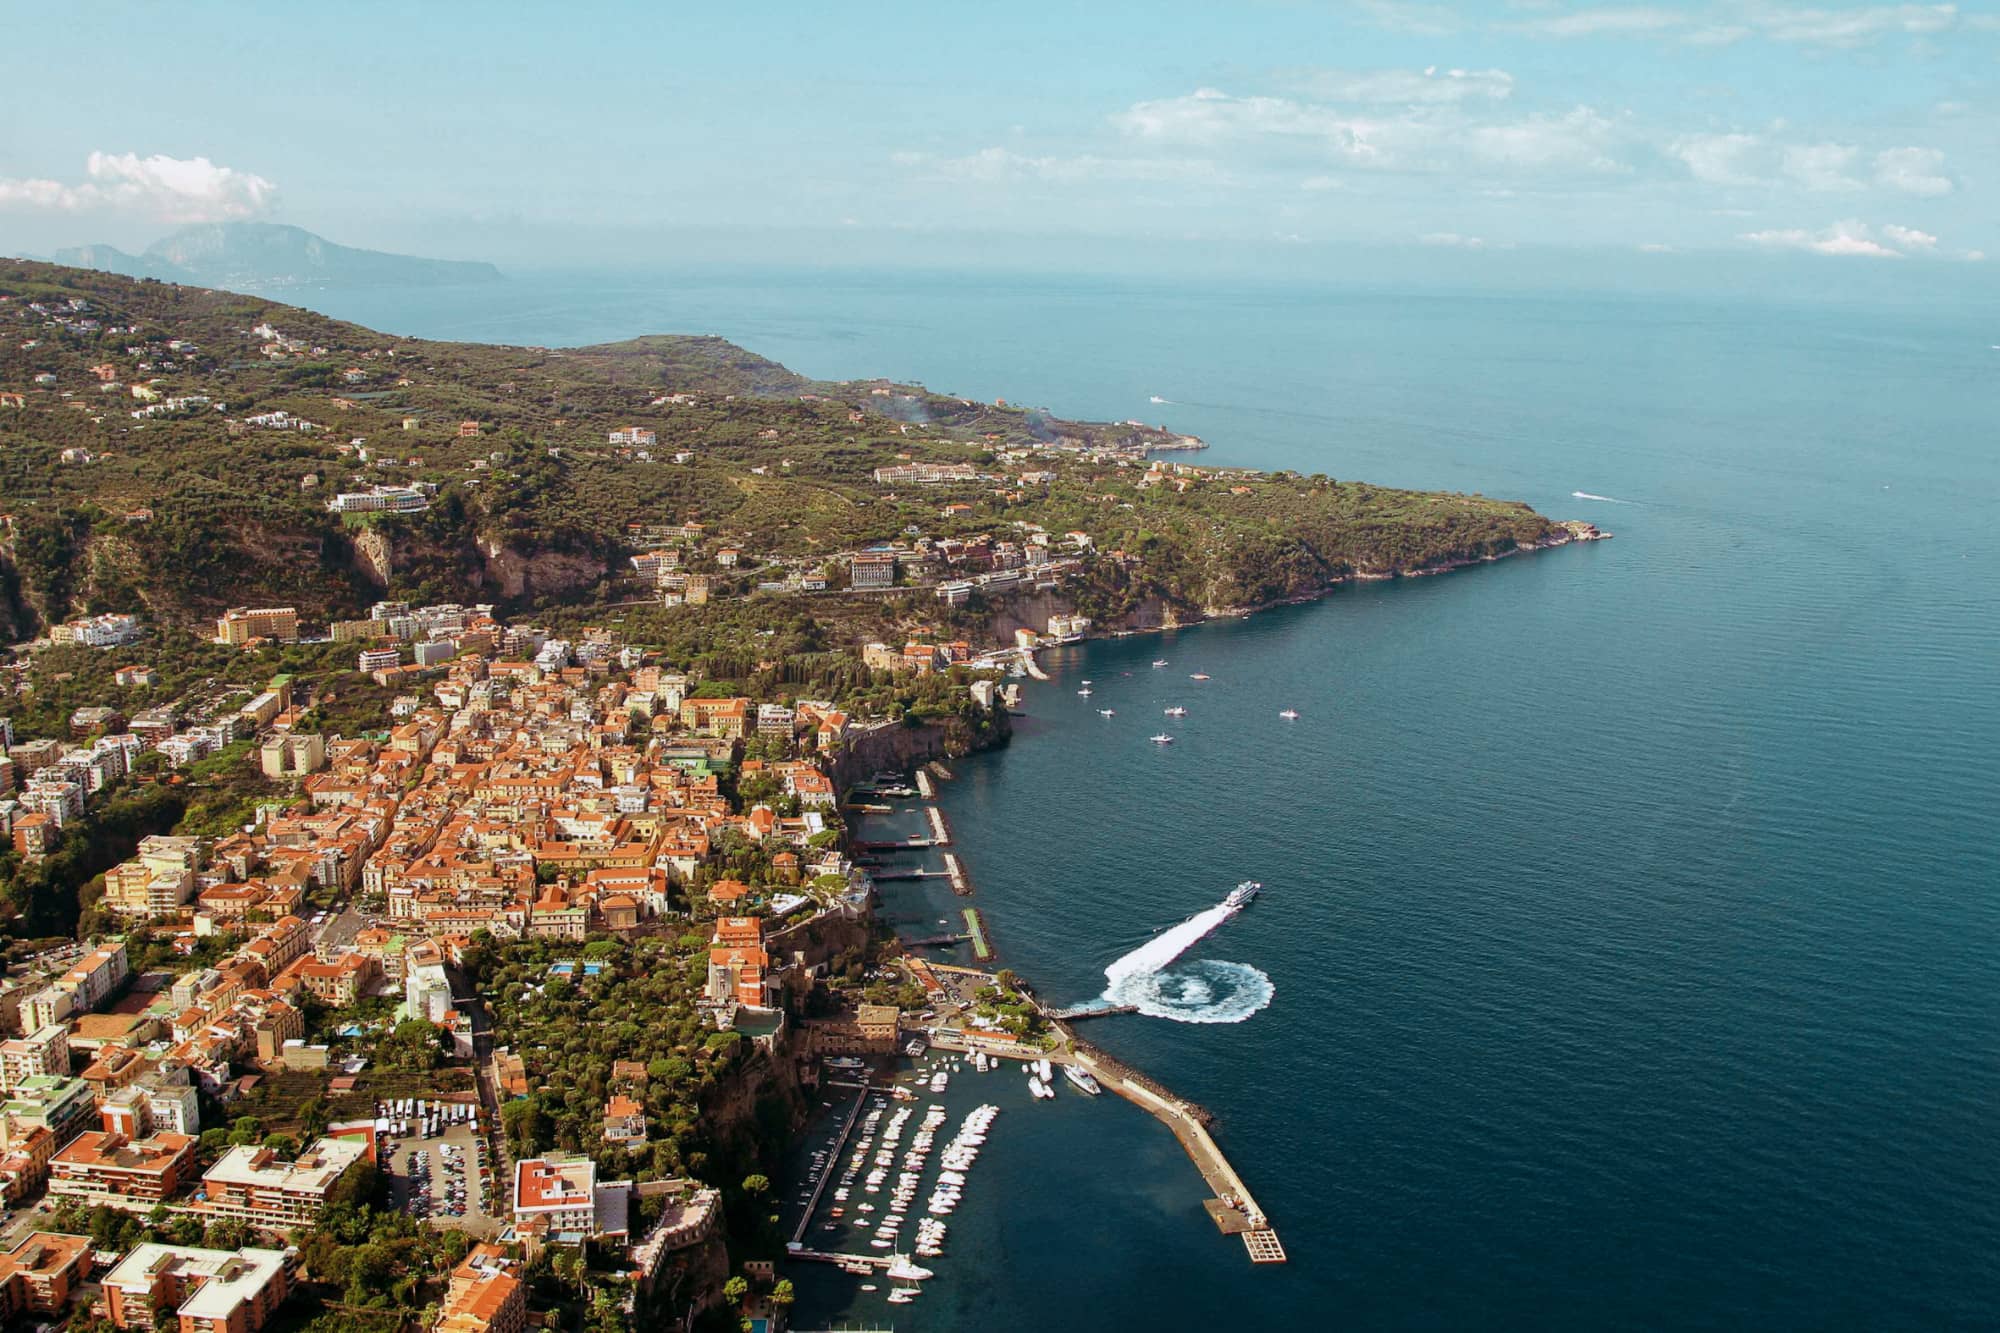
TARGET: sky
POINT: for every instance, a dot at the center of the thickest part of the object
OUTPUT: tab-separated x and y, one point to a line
1854	136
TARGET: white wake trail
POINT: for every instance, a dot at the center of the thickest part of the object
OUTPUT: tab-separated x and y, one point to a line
1204	992
1602	499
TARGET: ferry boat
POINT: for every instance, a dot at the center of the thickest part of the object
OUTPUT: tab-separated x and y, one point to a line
1082	1080
1240	896
1163	739
1290	714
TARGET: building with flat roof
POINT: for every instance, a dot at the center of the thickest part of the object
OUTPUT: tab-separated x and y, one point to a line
240	624
38	1275
201	1291
557	1193
255	1185
106	1167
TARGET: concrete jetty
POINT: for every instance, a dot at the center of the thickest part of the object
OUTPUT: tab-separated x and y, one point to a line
940	831
925	787
961	883
1232	1209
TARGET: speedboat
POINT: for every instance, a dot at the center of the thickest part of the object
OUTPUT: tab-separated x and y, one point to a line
1163	739
1085	692
1159	662
1197	676
1106	712
1290	714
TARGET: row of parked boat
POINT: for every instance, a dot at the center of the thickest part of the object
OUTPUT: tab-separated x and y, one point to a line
1042	1079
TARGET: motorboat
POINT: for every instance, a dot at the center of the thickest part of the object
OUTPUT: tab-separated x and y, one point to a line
1107	712
1176	711
1159	662
1197	675
1082	1080
1163	739
1290	714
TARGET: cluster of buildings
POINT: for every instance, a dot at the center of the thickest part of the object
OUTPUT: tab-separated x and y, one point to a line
110	630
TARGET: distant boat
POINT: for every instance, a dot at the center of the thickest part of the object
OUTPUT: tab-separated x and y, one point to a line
1163	739
1085	682
1159	661
1107	712
1176	711
1290	714
1197	676
1085	692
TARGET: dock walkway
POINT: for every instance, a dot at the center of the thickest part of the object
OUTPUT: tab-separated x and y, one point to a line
1233	1209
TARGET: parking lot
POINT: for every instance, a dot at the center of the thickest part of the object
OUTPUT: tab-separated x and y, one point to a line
437	1163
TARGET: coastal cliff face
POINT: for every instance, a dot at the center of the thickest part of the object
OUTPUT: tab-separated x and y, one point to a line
899	748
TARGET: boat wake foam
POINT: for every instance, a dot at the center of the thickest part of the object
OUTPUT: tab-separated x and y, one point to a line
1601	499
1206	991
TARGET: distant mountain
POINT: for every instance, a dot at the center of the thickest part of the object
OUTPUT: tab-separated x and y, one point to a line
264	254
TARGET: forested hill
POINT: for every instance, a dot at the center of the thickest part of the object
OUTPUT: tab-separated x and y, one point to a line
172	450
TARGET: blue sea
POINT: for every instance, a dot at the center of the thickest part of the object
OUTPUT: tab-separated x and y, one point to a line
1629	953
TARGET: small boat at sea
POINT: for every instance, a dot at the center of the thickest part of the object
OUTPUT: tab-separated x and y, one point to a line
905	1270
1290	714
1176	711
1163	739
1107	712
1197	676
1085	692
1240	896
1159	662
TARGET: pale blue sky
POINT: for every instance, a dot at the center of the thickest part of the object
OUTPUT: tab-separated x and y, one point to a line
1852	134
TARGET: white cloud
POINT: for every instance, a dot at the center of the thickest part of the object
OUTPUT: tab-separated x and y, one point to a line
1738	159
1723	24
1436	139
1657	248
1405	87
1918	171
1851	239
1822	167
1909	237
1411	16
1580	140
1451	240
168	189
1608	20
991	165
1852	27
1723	159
